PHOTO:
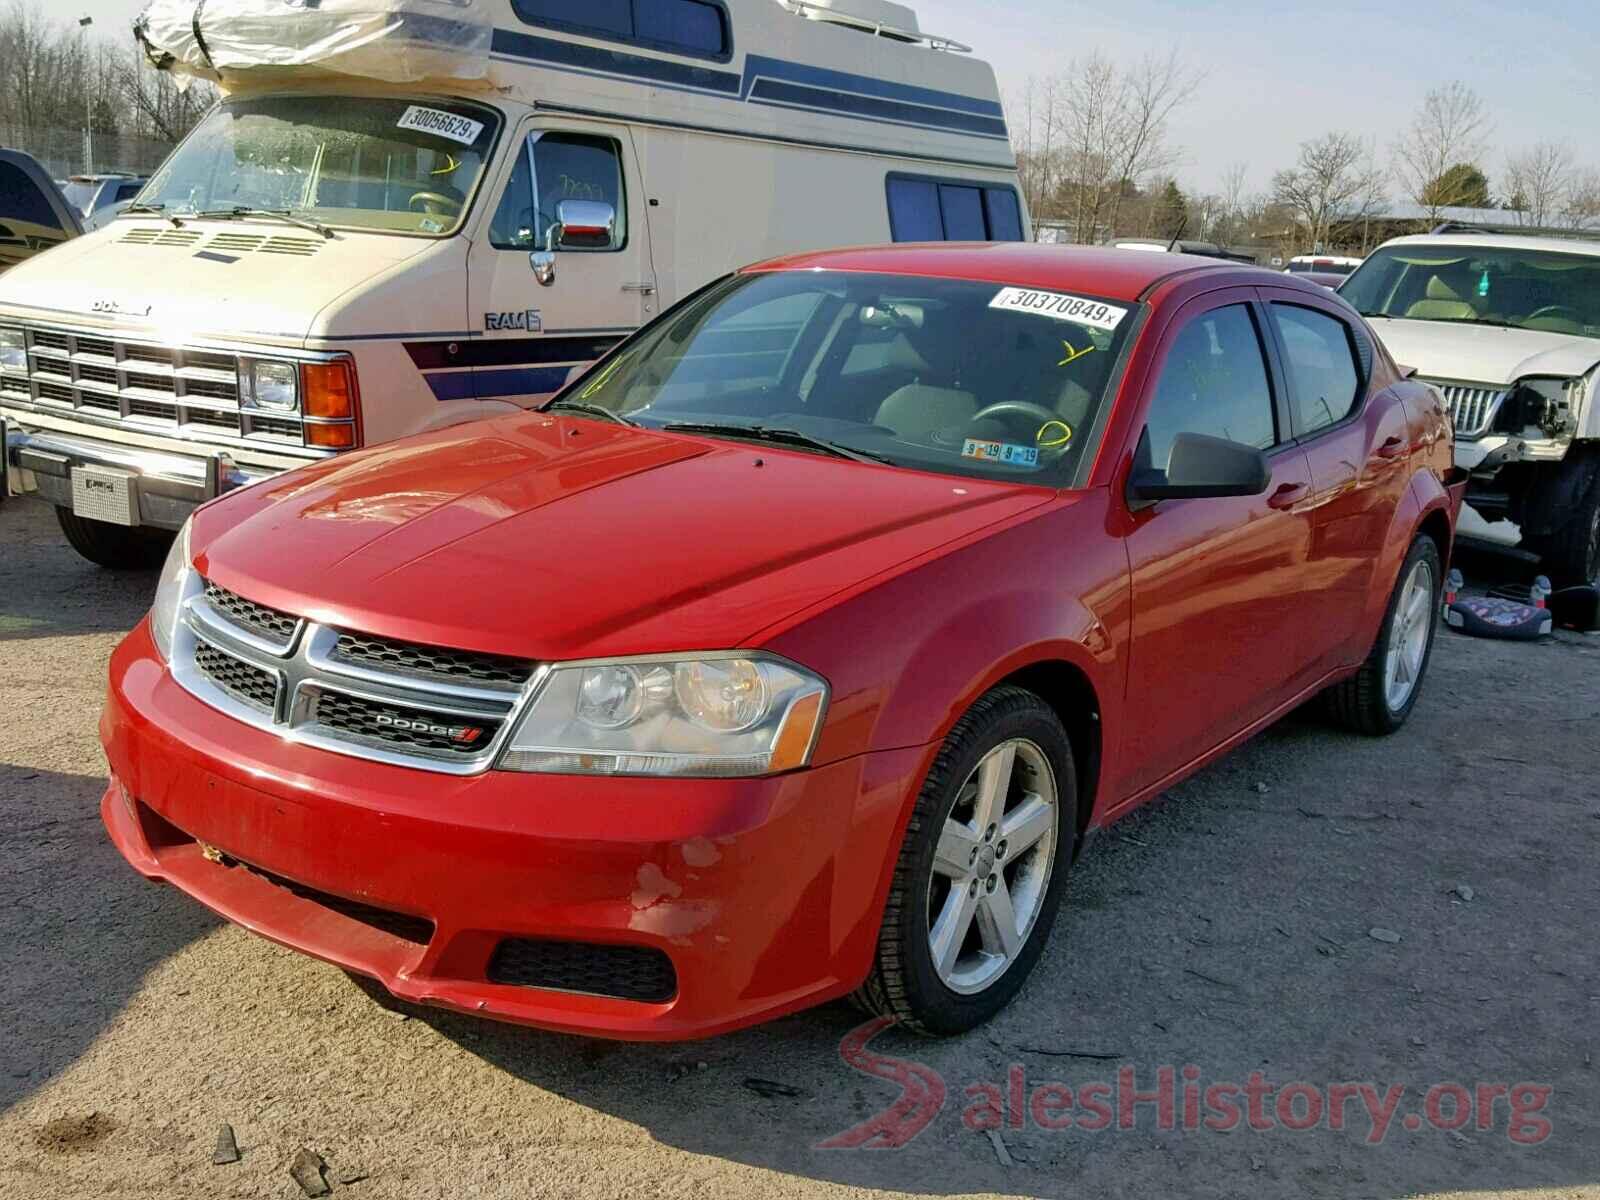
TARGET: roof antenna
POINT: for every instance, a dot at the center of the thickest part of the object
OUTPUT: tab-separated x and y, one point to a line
1183	227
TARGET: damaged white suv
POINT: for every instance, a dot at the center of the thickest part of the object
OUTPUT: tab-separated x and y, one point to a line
1509	329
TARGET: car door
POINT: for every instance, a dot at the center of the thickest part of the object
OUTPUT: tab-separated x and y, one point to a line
34	216
1359	448
532	334
1219	586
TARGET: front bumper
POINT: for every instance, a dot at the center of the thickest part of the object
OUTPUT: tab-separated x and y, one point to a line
766	894
38	462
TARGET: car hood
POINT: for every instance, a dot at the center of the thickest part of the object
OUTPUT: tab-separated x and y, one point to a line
1469	353
562	538
264	280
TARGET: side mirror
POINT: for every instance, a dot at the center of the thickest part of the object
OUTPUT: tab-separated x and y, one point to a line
581	224
1201	467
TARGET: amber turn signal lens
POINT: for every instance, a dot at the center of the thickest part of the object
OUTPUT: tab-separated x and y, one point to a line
331	437
793	745
329	392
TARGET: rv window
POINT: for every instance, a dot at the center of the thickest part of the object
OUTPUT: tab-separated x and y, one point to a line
1005	214
566	166
931	210
684	26
914	211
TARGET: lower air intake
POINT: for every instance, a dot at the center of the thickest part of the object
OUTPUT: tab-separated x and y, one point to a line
622	972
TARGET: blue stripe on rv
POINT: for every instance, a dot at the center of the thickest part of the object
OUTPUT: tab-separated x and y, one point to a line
771	80
489	385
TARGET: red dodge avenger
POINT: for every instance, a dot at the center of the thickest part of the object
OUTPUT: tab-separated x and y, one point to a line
793	651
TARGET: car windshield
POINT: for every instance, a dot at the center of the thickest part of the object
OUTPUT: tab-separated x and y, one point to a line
954	376
1481	285
361	162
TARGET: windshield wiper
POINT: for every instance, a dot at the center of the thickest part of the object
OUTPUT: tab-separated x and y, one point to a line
781	437
155	210
590	410
283	214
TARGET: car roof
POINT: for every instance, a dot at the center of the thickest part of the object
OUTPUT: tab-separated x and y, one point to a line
1098	270
1499	241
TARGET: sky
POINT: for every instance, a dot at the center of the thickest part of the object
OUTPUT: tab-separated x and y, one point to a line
1278	74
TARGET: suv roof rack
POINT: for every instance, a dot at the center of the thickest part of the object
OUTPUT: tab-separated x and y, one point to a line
1540	231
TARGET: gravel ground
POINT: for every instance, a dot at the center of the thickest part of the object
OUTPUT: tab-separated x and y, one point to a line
1227	926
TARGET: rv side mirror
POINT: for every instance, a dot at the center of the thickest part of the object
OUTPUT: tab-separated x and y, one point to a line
579	225
1201	467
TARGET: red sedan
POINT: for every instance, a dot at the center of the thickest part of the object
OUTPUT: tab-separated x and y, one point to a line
794	650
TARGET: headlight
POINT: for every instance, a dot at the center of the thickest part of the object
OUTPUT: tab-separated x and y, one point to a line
711	716
13	350
267	384
170	593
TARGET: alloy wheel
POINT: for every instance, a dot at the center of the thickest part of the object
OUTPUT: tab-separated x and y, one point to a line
992	866
1410	631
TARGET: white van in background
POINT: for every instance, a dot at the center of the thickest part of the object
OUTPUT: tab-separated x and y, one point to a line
403	221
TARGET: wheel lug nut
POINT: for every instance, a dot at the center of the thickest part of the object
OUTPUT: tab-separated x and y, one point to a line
973	890
993	882
1000	850
988	834
972	858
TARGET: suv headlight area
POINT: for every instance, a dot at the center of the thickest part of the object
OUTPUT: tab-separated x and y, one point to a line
171	591
704	716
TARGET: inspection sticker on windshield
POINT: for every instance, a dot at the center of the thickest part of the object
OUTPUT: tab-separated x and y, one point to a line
442	124
1094	313
1001	452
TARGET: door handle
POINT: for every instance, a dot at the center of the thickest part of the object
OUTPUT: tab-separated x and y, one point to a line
1288	496
644	289
1395	447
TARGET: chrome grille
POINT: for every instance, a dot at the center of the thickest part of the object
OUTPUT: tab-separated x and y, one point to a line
1473	406
142	383
402	727
241	680
431	662
276	627
449	711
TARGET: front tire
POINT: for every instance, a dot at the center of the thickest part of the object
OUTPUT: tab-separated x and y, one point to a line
116	547
1572	556
1378	699
980	874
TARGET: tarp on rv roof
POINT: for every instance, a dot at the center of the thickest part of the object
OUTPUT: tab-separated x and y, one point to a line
396	41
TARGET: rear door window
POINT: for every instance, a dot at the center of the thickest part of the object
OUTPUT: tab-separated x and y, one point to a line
1320	361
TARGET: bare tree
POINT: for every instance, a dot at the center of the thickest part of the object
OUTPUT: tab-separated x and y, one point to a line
1329	185
1537	182
1151	92
1449	129
1581	209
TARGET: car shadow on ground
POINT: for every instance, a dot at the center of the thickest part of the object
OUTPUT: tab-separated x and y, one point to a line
1227	927
80	928
46	590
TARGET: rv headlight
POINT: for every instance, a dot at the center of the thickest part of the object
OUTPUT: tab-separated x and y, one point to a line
709	716
170	592
13	350
264	383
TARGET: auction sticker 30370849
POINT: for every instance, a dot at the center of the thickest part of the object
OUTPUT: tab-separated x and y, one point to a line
1096	314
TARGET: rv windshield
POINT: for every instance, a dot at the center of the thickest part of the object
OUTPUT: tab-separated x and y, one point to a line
382	164
1480	285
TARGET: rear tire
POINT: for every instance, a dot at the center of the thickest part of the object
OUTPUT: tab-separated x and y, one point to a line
974	854
116	547
1379	697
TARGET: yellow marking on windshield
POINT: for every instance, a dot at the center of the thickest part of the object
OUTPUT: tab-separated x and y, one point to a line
1061	439
1074	354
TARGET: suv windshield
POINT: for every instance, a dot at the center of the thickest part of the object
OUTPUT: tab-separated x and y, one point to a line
966	378
363	162
1484	285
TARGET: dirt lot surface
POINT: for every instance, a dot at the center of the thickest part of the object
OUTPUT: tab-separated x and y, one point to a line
1229	926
